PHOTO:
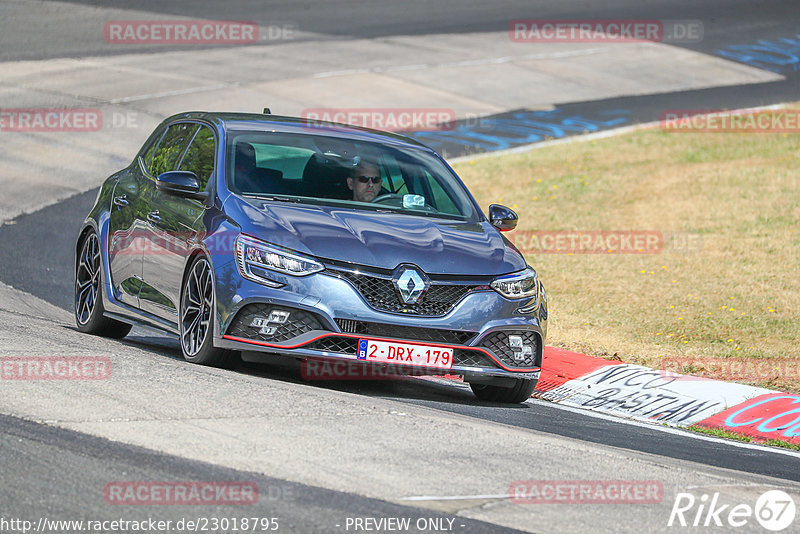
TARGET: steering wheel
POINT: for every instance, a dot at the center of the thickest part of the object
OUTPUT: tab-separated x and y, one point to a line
388	196
394	196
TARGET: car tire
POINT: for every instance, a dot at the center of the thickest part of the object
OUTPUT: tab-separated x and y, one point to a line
196	317
88	301
519	392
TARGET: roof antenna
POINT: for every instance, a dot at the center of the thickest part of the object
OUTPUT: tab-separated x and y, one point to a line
267	111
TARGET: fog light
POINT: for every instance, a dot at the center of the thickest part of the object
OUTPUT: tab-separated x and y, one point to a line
259	322
269	325
519	350
515	342
278	316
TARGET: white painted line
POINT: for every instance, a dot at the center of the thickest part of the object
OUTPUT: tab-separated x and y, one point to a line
176	92
669	429
462	63
346	72
711	486
509	59
418	66
506	496
454	497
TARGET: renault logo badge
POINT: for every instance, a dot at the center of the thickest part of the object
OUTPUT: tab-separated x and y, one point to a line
410	283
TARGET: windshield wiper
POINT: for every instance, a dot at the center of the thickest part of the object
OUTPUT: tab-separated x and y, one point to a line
269	197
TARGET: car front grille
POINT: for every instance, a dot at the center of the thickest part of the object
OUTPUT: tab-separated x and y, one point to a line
498	344
473	358
299	322
335	344
414	333
380	294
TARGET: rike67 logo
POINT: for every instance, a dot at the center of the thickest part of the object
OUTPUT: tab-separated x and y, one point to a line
774	510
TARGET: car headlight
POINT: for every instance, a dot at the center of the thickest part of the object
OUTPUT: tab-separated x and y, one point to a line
255	257
518	285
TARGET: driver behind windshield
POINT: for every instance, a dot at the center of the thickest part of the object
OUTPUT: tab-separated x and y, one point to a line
365	181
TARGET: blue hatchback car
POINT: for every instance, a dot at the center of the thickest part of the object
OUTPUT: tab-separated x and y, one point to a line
252	236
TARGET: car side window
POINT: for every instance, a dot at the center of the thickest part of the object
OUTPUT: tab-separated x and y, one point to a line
171	148
199	157
148	155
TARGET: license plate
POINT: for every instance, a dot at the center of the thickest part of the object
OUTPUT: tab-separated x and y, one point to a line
405	354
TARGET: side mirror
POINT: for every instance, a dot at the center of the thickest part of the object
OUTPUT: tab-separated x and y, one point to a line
181	184
502	218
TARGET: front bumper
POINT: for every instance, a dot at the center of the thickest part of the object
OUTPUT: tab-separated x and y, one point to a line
328	316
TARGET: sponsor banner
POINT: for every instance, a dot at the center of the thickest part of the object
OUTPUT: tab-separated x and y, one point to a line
560	366
770	416
55	367
727	121
586	492
390	119
604	31
165	32
642	393
663	395
180	493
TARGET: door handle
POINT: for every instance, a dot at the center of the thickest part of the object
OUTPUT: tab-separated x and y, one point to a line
153	217
121	201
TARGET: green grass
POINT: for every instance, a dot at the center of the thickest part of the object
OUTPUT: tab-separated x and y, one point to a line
720	433
734	293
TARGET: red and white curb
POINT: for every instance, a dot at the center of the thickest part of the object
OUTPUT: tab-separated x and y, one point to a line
644	394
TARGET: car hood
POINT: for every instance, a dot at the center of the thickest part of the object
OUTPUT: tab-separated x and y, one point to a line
381	239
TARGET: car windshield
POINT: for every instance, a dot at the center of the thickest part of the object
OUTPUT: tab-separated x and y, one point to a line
361	175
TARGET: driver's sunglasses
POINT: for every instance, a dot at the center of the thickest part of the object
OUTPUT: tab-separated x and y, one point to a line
374	179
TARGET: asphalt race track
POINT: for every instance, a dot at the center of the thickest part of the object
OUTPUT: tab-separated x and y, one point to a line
87	463
725	22
54	286
324	453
